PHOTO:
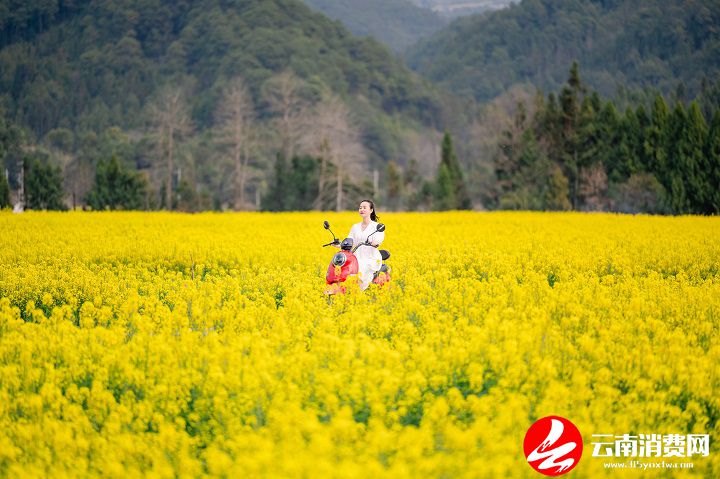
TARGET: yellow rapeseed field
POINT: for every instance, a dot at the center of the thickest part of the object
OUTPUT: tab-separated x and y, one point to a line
171	345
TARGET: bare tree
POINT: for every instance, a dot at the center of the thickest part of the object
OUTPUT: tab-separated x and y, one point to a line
284	94
170	121
336	142
494	138
424	148
593	187
235	117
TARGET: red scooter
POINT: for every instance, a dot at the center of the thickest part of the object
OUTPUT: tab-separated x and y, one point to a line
345	264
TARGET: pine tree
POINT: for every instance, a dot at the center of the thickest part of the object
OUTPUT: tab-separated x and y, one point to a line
275	199
608	133
4	191
644	123
570	108
450	192
116	187
43	186
678	196
629	146
657	143
445	198
712	152
687	164
302	184
697	168
588	144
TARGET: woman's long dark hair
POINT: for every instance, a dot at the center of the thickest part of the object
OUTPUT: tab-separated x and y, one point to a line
373	216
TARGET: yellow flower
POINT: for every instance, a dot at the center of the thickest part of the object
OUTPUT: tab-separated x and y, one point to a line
160	344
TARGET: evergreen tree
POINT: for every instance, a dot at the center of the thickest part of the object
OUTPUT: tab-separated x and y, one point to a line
644	123
570	109
450	191
712	152
4	191
549	128
608	140
302	186
275	198
697	167
687	163
116	188
589	146
658	163
43	186
676	186
656	145
590	150
445	198
629	146
294	186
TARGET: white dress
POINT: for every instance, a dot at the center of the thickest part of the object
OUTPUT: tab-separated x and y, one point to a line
369	259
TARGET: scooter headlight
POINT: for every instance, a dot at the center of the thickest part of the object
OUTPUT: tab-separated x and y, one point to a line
339	259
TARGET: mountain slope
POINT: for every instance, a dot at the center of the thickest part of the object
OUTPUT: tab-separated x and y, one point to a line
397	23
617	42
97	64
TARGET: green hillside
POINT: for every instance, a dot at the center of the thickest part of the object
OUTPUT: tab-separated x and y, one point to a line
83	81
93	65
397	23
636	44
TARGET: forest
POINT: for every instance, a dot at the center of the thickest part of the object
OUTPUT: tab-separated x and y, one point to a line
268	105
629	44
576	151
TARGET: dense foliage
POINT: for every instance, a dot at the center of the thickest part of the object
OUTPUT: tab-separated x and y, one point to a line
579	152
327	117
98	66
450	190
43	185
84	67
117	187
656	43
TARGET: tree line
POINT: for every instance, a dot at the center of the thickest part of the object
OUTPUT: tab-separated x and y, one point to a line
577	152
565	151
102	175
295	185
326	177
144	81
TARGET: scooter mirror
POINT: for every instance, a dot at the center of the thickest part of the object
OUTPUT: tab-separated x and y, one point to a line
380	227
326	225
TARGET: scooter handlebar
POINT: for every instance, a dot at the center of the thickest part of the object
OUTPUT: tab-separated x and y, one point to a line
363	244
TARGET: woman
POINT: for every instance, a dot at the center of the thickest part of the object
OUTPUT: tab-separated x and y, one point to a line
359	232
